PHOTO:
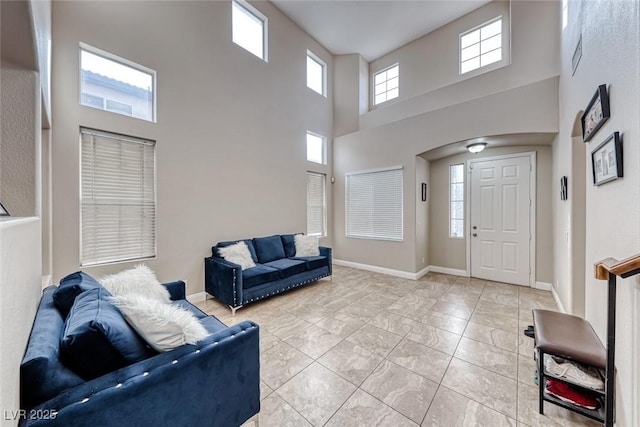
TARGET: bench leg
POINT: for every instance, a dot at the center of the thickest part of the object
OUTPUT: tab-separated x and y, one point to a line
541	381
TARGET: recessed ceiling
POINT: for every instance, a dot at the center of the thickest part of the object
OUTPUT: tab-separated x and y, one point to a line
372	28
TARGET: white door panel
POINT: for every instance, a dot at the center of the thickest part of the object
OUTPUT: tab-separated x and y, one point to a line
500	220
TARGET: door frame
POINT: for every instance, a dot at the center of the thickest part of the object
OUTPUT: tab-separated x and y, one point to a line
531	155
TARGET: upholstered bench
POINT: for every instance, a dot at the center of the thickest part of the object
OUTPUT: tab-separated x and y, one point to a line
569	337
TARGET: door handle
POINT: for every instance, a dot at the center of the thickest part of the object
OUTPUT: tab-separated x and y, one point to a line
475	234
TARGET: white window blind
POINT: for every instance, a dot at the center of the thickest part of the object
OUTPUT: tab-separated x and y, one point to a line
374	204
118	198
316	206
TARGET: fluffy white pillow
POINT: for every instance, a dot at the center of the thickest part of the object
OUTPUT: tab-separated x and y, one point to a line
306	245
139	280
238	254
163	326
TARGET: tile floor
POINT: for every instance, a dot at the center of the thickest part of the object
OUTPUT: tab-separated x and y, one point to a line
366	349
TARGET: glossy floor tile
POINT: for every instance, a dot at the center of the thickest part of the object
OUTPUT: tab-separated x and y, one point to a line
366	349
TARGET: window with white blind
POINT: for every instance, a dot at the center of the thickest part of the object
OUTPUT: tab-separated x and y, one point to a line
118	198
316	204
374	204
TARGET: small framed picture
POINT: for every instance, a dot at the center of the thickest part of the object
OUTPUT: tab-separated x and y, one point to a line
606	160
4	211
424	191
596	113
564	195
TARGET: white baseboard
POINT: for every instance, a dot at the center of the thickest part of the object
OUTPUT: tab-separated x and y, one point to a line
422	272
557	299
376	269
199	297
543	286
447	270
400	273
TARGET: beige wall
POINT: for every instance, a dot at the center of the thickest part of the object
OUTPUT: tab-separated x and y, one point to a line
432	61
398	143
452	253
610	39
230	131
437	107
23	101
20	134
423	209
429	77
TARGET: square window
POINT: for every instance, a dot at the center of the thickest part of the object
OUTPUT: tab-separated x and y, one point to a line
386	84
249	28
481	46
115	84
316	148
316	74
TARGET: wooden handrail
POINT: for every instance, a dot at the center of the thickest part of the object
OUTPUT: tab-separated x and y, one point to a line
625	268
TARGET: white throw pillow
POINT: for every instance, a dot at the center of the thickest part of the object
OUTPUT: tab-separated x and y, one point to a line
163	326
140	280
306	245
238	254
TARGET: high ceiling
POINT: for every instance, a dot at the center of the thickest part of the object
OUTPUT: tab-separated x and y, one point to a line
372	28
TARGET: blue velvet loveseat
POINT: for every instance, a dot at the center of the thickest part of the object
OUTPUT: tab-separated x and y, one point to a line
277	270
214	382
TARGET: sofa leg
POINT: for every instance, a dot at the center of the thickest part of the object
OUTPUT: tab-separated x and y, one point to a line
233	309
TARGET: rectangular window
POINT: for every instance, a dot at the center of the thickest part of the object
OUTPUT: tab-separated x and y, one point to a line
456	201
481	46
316	148
386	84
316	74
118	198
316	204
129	88
249	28
373	203
565	13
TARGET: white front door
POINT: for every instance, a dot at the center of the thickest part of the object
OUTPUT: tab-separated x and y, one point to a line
501	219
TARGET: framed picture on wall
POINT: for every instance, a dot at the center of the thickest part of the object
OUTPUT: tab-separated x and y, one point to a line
606	160
596	113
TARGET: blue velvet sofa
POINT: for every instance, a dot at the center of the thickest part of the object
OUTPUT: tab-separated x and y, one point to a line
214	382
277	270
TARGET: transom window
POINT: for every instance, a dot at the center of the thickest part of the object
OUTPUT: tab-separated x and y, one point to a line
111	83
456	201
316	148
481	46
316	74
249	28
386	84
